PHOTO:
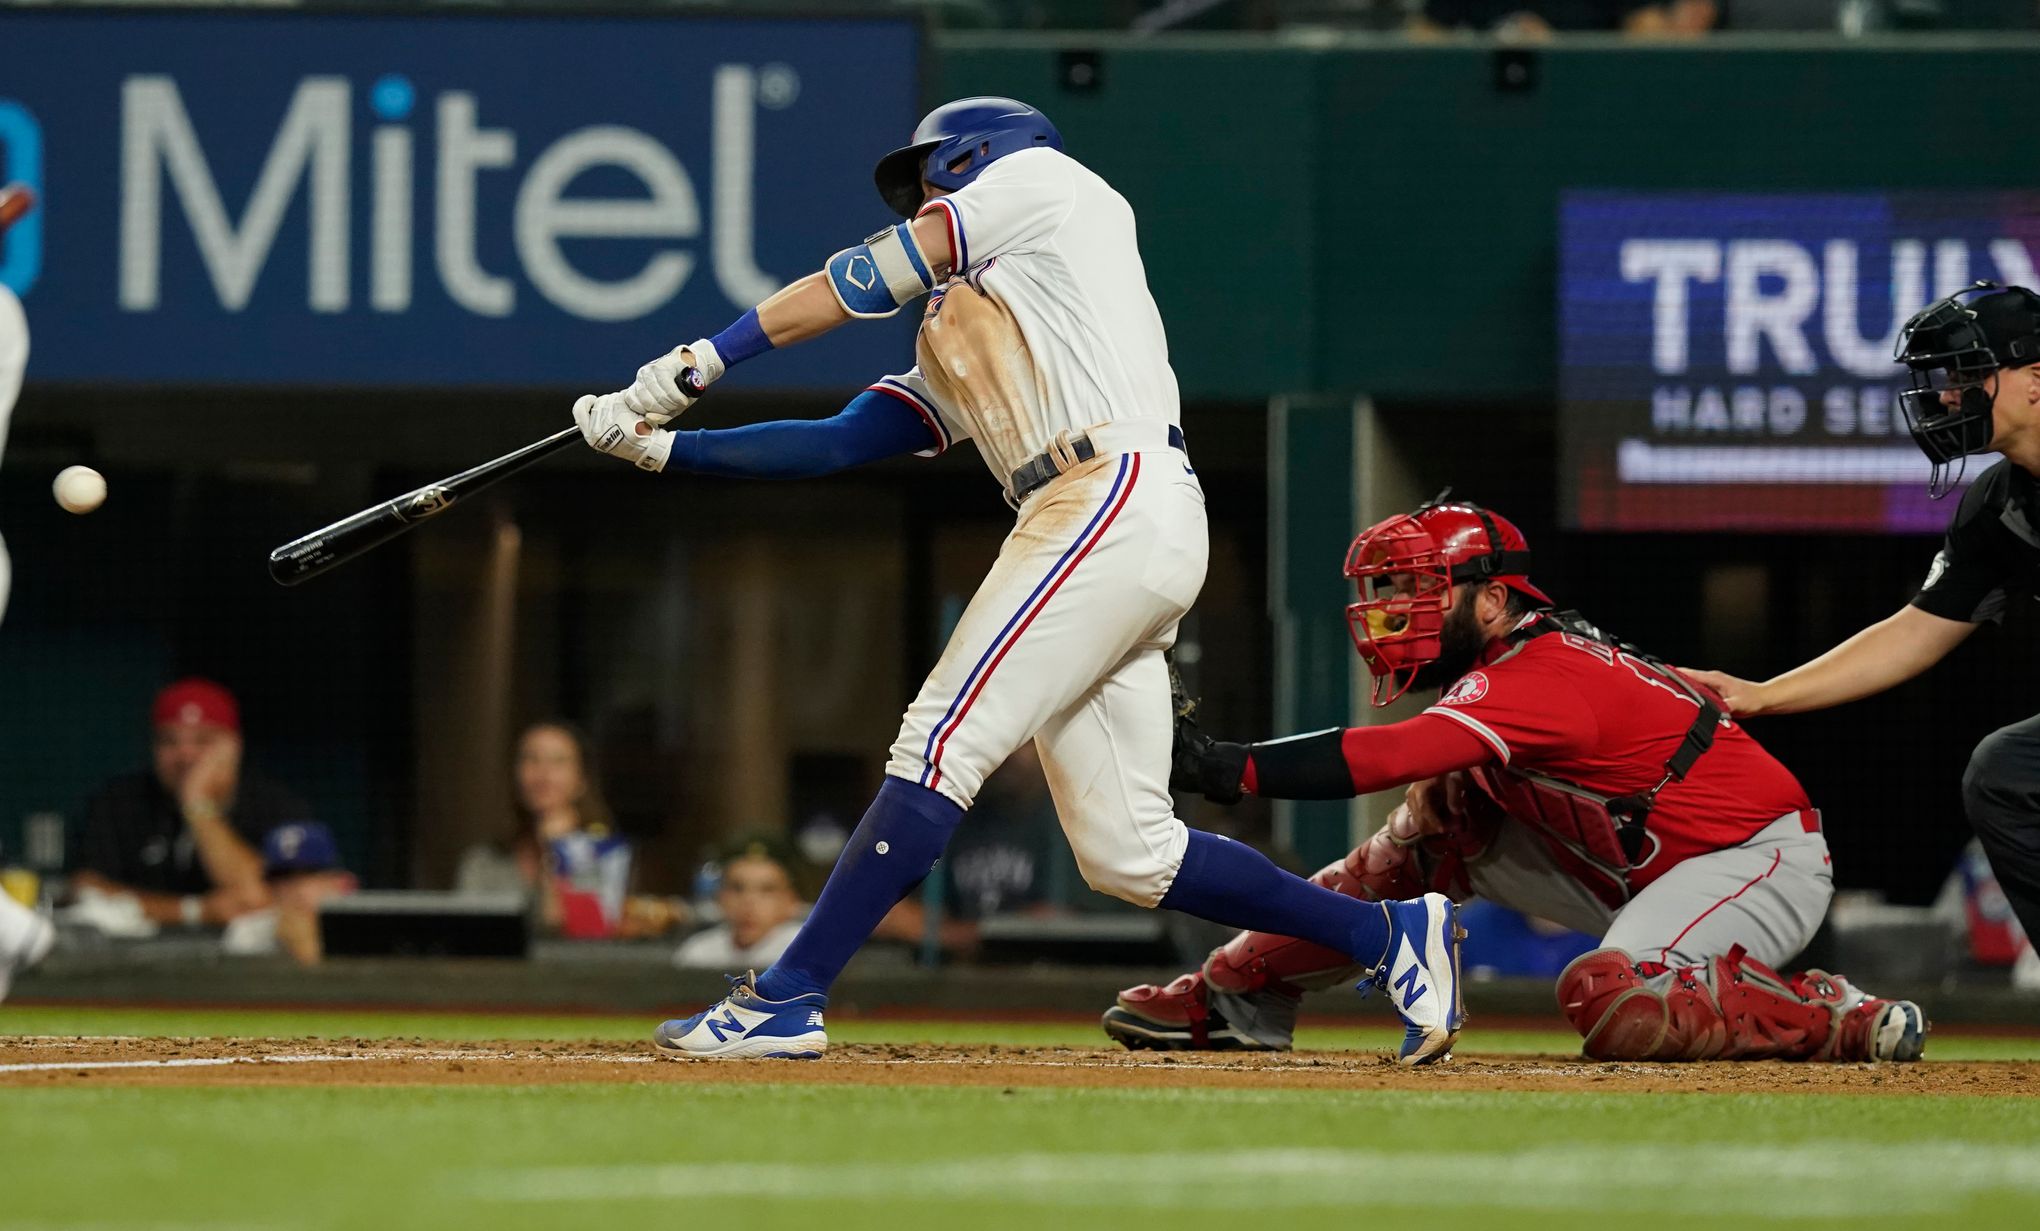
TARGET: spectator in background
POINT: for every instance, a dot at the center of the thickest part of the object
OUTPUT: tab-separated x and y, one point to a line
762	903
557	800
555	796
177	843
301	863
1536	19
1010	859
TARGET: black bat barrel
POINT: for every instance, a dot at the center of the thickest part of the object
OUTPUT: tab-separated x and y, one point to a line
349	537
343	540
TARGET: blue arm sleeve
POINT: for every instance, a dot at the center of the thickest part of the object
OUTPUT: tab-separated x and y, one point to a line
872	427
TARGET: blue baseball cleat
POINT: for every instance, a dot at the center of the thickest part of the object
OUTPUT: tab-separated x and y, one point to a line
746	1026
1421	976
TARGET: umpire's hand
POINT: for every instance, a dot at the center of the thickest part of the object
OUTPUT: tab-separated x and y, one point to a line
1209	767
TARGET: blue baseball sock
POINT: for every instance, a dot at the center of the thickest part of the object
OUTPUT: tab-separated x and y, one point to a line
898	841
1232	883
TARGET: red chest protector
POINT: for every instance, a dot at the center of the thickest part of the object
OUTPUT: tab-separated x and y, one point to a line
1598	839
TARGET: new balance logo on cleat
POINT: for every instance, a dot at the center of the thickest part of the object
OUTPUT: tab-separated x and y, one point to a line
747	1027
1412	990
1424	936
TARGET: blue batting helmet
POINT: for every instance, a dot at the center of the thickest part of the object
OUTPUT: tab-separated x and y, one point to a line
973	131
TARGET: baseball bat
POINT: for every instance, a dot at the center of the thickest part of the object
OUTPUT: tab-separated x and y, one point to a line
349	537
334	545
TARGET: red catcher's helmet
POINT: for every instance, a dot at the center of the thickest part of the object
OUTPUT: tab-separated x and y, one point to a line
1405	569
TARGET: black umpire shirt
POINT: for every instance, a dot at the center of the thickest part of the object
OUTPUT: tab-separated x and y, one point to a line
1992	552
135	832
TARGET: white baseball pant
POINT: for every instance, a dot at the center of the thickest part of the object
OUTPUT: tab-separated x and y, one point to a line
1063	644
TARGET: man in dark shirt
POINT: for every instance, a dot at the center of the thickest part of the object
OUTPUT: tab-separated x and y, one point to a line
1975	388
183	837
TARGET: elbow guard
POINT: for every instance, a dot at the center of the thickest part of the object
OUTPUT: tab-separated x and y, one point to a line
1309	766
881	275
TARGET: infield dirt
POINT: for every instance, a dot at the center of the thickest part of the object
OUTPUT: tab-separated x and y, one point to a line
47	1061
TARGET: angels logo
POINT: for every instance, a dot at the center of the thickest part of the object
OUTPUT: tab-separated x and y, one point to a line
1470	688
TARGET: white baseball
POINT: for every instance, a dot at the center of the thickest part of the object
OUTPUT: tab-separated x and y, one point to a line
79	489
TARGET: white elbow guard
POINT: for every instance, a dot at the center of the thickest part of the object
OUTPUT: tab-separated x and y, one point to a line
881	275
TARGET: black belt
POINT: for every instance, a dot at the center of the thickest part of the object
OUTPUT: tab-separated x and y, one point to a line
1043	468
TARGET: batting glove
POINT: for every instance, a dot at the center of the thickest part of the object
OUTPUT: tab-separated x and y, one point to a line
610	427
659	394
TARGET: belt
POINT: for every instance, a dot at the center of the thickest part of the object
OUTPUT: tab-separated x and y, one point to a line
1128	436
1809	820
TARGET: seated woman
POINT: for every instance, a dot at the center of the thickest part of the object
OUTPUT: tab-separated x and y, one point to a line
558	801
762	907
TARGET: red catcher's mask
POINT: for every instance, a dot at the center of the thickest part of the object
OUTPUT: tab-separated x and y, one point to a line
1405	569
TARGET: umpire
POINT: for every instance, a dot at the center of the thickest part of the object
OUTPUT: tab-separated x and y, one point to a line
1974	388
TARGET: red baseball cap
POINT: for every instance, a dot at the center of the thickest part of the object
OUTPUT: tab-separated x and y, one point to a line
195	702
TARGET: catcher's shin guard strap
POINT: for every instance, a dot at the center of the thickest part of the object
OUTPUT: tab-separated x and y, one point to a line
1311	766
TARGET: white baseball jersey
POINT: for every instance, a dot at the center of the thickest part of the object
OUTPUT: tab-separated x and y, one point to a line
1047	327
13	362
1046	324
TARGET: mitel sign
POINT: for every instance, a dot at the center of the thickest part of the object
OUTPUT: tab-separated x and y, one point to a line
434	200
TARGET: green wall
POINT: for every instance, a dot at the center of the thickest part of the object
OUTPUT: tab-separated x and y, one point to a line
1376	216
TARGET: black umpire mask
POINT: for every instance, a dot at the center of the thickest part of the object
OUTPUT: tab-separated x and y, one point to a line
1958	345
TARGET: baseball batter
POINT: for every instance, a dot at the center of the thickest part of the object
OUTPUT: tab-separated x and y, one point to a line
24	935
1560	773
1041	343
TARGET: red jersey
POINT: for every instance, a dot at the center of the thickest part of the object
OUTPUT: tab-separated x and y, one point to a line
1585	712
1568	707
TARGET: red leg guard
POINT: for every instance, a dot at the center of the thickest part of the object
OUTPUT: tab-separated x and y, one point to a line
1253	961
1768	1018
1866	1028
1606	1000
1182	1003
1732	1008
1621	1017
1694	1026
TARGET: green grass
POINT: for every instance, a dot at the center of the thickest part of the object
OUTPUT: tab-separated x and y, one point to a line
268	1023
889	1158
847	1158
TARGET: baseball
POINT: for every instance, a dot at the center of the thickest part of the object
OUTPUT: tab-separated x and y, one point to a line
79	489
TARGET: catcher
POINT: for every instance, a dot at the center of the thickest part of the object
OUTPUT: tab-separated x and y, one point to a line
1561	773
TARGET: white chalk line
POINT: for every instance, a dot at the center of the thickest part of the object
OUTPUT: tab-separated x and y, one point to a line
441	1057
197	1062
1831	1180
1102	1064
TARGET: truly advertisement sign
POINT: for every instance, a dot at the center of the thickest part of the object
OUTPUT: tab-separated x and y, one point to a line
1726	360
337	199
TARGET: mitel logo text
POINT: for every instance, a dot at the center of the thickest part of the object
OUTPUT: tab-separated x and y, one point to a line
313	154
